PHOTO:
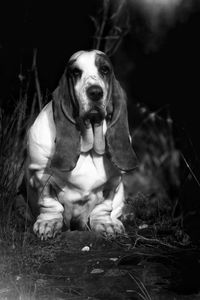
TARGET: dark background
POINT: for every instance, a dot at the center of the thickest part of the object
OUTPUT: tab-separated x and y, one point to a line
157	65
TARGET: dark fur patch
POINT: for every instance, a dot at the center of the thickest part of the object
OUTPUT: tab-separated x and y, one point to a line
67	148
119	145
102	61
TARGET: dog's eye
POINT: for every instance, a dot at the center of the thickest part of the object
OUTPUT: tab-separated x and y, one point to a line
76	72
104	70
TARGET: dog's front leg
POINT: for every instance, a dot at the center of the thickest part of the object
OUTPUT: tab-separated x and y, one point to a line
50	219
104	217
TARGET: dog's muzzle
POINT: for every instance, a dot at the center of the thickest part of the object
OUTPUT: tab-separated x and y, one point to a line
96	112
91	121
95	115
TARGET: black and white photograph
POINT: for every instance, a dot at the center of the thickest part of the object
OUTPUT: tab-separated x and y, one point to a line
99	150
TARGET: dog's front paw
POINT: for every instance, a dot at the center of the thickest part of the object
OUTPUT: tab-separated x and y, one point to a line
45	229
109	227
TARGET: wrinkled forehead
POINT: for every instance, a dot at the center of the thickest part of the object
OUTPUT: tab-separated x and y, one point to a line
88	61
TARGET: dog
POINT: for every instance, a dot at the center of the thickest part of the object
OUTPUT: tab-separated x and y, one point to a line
78	148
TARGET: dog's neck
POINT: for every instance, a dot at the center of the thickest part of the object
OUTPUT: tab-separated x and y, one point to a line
93	137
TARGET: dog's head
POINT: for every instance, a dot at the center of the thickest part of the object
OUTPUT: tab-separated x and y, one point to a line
91	74
88	95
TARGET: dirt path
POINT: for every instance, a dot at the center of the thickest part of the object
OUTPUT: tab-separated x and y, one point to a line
80	266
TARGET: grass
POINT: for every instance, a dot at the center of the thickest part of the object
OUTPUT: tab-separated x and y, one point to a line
17	256
143	292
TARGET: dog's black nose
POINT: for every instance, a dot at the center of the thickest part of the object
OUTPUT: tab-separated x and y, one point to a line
94	92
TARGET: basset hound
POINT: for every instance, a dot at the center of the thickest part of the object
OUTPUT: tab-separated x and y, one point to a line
78	148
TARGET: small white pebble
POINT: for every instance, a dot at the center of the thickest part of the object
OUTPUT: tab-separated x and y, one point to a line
85	249
143	226
18	278
113	258
97	271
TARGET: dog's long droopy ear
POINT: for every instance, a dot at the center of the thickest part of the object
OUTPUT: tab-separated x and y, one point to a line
67	144
117	136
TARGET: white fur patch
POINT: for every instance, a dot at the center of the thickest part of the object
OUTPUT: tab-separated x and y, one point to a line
90	76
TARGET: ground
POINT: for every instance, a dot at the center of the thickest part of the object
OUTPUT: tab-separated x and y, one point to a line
83	265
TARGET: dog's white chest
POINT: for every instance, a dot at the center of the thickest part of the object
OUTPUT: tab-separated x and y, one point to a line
90	172
87	179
